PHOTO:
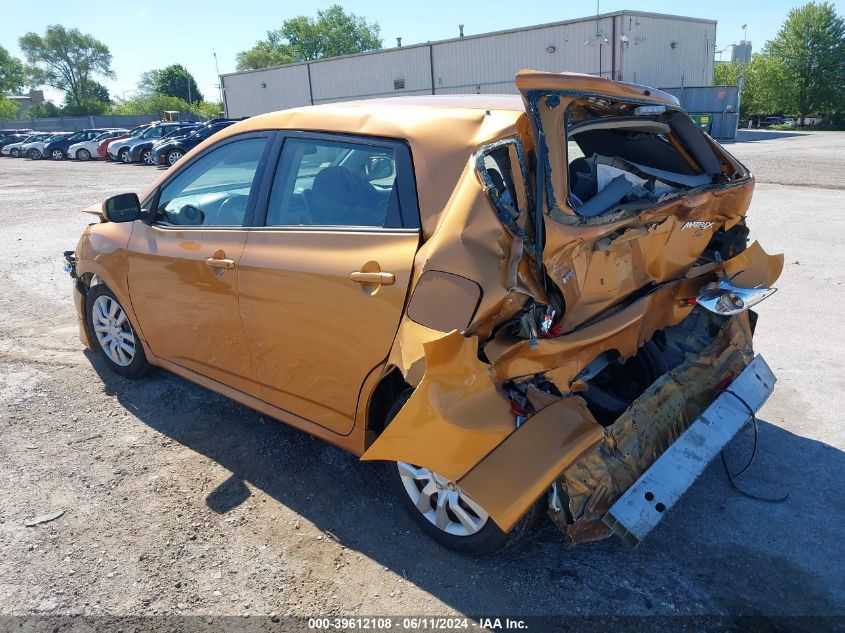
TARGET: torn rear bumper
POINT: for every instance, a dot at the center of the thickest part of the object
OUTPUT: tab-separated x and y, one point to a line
645	503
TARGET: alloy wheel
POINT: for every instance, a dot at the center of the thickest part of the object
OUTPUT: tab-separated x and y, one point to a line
441	501
147	157
125	157
113	330
15	152
34	154
57	154
173	157
83	154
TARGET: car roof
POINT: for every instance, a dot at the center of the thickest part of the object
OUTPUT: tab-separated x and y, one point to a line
442	131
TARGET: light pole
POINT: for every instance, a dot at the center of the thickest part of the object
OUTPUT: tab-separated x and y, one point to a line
219	83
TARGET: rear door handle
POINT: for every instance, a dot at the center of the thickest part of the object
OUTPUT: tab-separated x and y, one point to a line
382	279
225	264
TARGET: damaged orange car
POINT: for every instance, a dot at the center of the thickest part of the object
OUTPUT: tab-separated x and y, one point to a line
523	305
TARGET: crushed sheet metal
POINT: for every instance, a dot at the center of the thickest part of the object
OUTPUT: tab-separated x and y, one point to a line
645	503
454	417
512	477
625	332
596	266
754	267
642	433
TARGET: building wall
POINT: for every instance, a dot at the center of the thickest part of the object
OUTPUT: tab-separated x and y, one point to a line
367	76
487	63
248	94
649	58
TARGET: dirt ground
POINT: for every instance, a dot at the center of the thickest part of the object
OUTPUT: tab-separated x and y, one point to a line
177	500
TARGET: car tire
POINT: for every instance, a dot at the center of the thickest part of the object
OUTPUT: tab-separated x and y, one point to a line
57	154
481	539
173	156
147	157
83	154
15	152
112	333
34	154
124	157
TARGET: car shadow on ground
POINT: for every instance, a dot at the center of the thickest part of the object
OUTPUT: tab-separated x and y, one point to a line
749	136
717	552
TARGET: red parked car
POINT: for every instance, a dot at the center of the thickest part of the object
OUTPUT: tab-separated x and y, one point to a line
103	146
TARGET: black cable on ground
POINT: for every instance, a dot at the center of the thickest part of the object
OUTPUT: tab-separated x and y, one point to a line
750	459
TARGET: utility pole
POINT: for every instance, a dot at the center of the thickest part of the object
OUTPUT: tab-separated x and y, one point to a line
219	83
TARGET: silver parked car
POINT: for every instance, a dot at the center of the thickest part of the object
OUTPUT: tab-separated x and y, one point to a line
119	150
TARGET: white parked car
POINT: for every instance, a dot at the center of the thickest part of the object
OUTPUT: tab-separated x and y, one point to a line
14	149
35	149
86	150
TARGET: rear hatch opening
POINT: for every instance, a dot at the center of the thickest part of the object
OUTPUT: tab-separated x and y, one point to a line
628	157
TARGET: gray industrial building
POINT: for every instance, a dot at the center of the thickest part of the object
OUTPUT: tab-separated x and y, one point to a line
648	48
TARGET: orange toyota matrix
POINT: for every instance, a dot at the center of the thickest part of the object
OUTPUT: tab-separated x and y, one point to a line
522	305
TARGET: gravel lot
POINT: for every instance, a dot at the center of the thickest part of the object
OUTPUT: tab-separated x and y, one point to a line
177	500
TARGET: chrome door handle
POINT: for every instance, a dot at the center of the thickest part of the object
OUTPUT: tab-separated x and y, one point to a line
381	279
225	264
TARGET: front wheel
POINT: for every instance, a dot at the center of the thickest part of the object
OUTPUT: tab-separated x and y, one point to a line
446	512
124	156
57	154
83	154
173	157
15	152
147	157
113	334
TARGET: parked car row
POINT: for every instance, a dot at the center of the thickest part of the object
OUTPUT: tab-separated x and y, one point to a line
161	142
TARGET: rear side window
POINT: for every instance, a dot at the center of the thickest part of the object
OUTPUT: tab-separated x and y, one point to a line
334	183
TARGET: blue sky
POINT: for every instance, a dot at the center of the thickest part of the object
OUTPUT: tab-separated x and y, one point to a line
146	35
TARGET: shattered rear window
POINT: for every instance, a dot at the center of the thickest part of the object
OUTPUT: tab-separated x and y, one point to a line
625	156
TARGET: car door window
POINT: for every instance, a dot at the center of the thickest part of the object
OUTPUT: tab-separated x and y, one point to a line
214	190
334	183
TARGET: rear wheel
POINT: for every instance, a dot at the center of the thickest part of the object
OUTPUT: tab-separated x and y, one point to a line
57	154
34	154
447	513
83	154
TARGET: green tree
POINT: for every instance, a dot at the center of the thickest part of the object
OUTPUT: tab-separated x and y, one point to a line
147	82
151	104
46	110
96	100
176	81
270	52
333	32
12	76
210	109
810	46
766	88
8	108
66	59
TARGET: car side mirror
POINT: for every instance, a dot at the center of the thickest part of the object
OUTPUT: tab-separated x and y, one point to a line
124	207
379	167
